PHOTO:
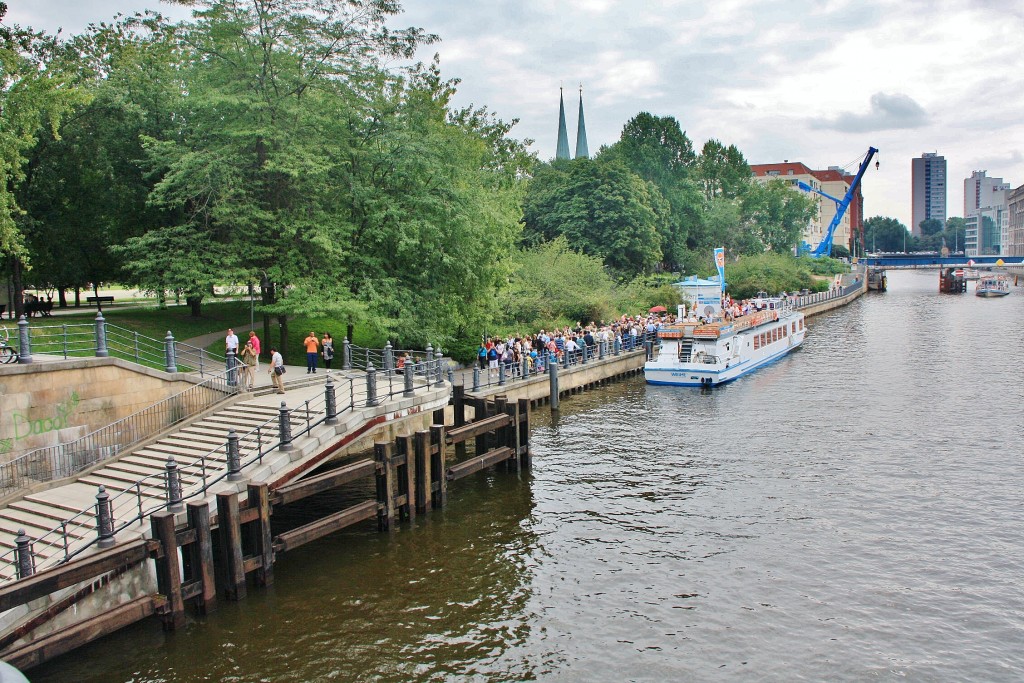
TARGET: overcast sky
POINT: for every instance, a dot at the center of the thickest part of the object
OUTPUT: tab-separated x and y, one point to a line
817	82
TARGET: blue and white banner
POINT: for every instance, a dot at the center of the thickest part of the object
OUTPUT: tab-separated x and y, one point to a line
720	262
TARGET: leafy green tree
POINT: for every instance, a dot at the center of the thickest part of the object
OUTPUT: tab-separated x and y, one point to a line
656	149
882	233
774	216
722	171
602	208
930	226
35	94
772	273
954	233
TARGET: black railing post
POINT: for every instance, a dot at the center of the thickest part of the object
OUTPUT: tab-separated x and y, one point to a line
476	379
617	346
234	462
584	352
501	372
173	485
104	519
526	367
232	370
170	360
284	428
26	562
408	375
439	368
346	355
371	385
101	336
565	358
389	358
430	358
330	402
24	341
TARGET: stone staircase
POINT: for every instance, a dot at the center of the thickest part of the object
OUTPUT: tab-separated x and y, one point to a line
38	514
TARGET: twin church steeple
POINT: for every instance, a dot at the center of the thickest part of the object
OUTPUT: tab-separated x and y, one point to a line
562	150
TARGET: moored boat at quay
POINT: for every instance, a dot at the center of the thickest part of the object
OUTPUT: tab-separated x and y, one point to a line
992	286
693	354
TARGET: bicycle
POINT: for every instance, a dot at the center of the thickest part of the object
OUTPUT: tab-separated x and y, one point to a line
8	354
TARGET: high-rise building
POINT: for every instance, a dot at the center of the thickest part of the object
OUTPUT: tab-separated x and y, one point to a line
1015	222
986	218
928	189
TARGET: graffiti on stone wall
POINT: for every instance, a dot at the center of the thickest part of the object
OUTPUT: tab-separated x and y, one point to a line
27	424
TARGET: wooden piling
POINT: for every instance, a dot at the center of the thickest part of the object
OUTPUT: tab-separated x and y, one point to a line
201	554
259	500
524	433
459	405
407	476
438	467
479	413
231	572
385	486
501	434
168	570
423	481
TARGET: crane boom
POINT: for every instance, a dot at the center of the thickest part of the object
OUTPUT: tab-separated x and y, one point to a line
824	247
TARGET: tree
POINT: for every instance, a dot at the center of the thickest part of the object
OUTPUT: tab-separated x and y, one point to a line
602	208
930	226
35	94
882	233
722	171
774	215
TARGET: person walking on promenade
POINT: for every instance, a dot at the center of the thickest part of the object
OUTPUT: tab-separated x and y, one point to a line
327	344
249	359
277	370
312	346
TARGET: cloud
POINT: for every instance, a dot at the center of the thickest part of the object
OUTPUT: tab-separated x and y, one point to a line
888	112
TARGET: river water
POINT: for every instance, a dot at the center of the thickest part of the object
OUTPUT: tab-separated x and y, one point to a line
852	512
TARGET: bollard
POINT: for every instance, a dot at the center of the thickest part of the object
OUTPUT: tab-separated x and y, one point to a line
501	373
173	485
26	561
101	336
408	375
439	367
24	341
346	356
234	463
451	375
476	379
389	358
330	402
600	349
284	428
584	352
104	519
371	385
170	361
553	381
565	358
232	370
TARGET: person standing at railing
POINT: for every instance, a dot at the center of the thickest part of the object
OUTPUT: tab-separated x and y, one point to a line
249	361
327	344
255	341
231	342
312	347
277	370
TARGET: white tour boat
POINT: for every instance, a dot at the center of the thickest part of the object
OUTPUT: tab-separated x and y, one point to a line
694	355
992	286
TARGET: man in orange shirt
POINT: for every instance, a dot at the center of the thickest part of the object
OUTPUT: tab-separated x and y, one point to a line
312	347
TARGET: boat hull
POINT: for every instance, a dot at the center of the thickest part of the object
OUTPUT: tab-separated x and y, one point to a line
991	293
693	375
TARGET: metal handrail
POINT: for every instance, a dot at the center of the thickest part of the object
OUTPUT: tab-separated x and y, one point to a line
148	494
64	460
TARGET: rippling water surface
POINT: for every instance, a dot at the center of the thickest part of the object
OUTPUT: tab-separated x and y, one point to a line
851	512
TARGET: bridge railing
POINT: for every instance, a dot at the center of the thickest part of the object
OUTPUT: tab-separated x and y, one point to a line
112	513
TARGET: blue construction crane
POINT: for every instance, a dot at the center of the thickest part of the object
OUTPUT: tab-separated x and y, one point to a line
824	247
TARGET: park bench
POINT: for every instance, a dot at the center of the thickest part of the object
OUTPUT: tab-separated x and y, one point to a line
98	300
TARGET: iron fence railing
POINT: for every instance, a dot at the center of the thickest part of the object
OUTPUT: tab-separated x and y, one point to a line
66	459
190	477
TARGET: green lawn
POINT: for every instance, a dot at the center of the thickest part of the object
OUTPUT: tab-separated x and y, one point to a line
155	322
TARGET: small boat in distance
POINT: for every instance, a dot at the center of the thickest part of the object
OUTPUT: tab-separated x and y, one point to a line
692	354
951	281
992	286
877	281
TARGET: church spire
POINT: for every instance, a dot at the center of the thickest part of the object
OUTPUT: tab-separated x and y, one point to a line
562	152
581	133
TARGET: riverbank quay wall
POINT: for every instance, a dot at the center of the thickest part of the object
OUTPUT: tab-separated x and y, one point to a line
166	558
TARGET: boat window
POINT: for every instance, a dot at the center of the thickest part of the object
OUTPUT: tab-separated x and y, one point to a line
757	342
784	331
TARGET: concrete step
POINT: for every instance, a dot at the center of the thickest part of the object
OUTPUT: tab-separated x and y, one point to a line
36	526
